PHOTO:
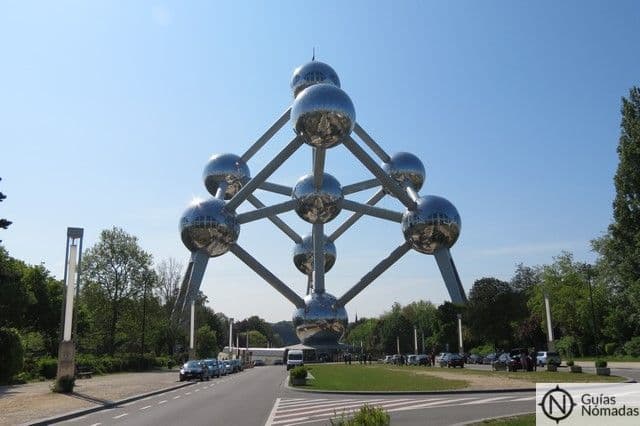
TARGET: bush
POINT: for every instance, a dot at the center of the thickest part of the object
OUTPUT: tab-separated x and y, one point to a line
298	373
610	348
567	346
64	384
11	354
482	350
632	347
366	416
570	363
601	363
47	367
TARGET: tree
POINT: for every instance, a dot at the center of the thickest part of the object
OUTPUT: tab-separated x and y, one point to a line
169	273
206	342
620	248
11	355
363	332
114	268
256	339
14	296
4	223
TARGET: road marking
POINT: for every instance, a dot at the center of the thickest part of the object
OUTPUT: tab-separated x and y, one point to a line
176	397
120	416
197	390
145	407
485	400
162	402
188	393
96	424
272	414
528	398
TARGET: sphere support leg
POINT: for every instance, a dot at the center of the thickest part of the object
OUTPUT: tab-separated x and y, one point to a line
450	276
372	211
199	259
271	131
354	217
318	258
368	140
276	220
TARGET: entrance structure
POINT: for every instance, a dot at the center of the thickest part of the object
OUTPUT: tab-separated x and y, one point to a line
322	116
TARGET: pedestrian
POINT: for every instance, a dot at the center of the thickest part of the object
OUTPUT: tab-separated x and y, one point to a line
534	359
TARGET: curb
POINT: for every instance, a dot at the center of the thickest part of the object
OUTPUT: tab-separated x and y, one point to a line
506	416
83	411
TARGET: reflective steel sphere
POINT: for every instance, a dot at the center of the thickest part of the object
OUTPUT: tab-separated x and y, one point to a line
406	169
319	323
323	114
434	224
318	206
208	225
227	168
303	254
311	73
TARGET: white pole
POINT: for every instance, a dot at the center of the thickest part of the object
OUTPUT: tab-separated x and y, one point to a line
460	349
230	336
548	309
71	290
398	344
192	327
415	340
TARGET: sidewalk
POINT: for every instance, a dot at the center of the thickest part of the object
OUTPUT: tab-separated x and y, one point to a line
25	403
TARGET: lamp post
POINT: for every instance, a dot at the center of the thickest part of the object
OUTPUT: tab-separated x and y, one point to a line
460	348
192	343
593	311
230	337
547	308
415	340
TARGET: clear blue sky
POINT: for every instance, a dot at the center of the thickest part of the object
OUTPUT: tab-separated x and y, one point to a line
109	111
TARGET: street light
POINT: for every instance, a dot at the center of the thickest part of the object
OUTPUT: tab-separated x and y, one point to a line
589	271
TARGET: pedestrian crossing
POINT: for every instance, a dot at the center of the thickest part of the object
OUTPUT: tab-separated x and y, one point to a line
299	411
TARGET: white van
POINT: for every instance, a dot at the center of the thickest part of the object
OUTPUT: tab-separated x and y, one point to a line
294	358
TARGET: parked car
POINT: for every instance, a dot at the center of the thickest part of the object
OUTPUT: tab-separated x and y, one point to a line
545	357
452	360
474	359
294	358
440	356
277	362
490	358
507	362
227	366
420	359
387	359
214	367
258	363
194	370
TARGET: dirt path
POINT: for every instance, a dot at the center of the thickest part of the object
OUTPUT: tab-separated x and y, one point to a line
478	382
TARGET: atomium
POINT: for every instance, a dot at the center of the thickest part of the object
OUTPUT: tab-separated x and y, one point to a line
318	205
206	225
227	168
322	116
433	225
303	254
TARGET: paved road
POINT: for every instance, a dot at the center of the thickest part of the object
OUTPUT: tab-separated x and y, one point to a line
258	397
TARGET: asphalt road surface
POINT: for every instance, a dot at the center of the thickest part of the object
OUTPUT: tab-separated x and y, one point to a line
258	397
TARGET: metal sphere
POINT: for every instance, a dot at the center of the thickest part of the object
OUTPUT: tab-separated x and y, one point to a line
227	168
311	73
406	169
318	205
320	322
434	224
303	254
323	114
208	225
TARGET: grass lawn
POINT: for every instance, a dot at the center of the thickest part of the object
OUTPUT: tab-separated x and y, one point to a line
529	376
623	358
524	420
375	378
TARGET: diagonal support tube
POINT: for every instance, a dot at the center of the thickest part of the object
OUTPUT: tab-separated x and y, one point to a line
276	220
354	217
390	184
184	286
360	186
318	257
264	174
271	131
276	188
199	260
266	275
374	273
263	212
372	211
450	276
319	155
368	140
222	188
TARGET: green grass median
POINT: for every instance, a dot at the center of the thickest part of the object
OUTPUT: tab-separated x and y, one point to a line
375	378
540	376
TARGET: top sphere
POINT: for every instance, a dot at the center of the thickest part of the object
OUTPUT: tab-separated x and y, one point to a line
227	168
406	169
432	225
311	73
208	225
323	115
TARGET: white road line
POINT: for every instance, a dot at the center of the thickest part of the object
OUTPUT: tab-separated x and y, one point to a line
272	414
528	398
96	424
197	390
176	397
145	407
188	393
287	403
120	416
485	400
162	402
333	411
329	405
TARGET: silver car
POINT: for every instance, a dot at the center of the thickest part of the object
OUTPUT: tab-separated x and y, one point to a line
545	357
